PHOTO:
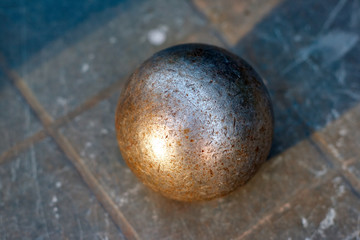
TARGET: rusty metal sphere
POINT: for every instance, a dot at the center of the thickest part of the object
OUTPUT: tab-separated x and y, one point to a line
194	122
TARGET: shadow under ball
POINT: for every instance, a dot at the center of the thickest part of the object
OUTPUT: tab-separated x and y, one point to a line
194	122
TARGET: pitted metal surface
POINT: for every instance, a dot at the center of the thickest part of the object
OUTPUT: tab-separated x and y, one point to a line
194	122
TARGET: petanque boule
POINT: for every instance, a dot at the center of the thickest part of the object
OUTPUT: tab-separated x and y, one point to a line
194	122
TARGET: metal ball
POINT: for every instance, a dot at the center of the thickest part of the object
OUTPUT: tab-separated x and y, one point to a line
194	122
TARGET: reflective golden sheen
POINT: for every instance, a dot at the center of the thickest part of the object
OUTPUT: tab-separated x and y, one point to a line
194	122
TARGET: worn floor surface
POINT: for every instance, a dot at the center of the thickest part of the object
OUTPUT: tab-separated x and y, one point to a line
63	65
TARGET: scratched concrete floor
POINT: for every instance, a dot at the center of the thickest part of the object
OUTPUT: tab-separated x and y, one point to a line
64	63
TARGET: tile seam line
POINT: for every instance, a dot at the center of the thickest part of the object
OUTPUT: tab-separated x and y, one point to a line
319	142
91	102
286	205
22	145
94	186
322	145
57	123
349	176
219	35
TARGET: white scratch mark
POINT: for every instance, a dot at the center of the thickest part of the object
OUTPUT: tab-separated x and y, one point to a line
333	14
135	189
57	216
58	184
112	40
343	132
329	118
39	205
334	151
124	199
107	223
80	228
88	144
92	156
157	36
317	173
331	47
341	74
100	235
320	173
154	216
88	212
328	221
55	209
336	180
335	113
340	191
281	38
354	235
54	200
104	131
339	143
85	67
340	187
304	222
61	101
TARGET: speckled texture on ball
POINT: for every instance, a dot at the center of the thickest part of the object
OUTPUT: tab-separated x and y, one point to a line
194	122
